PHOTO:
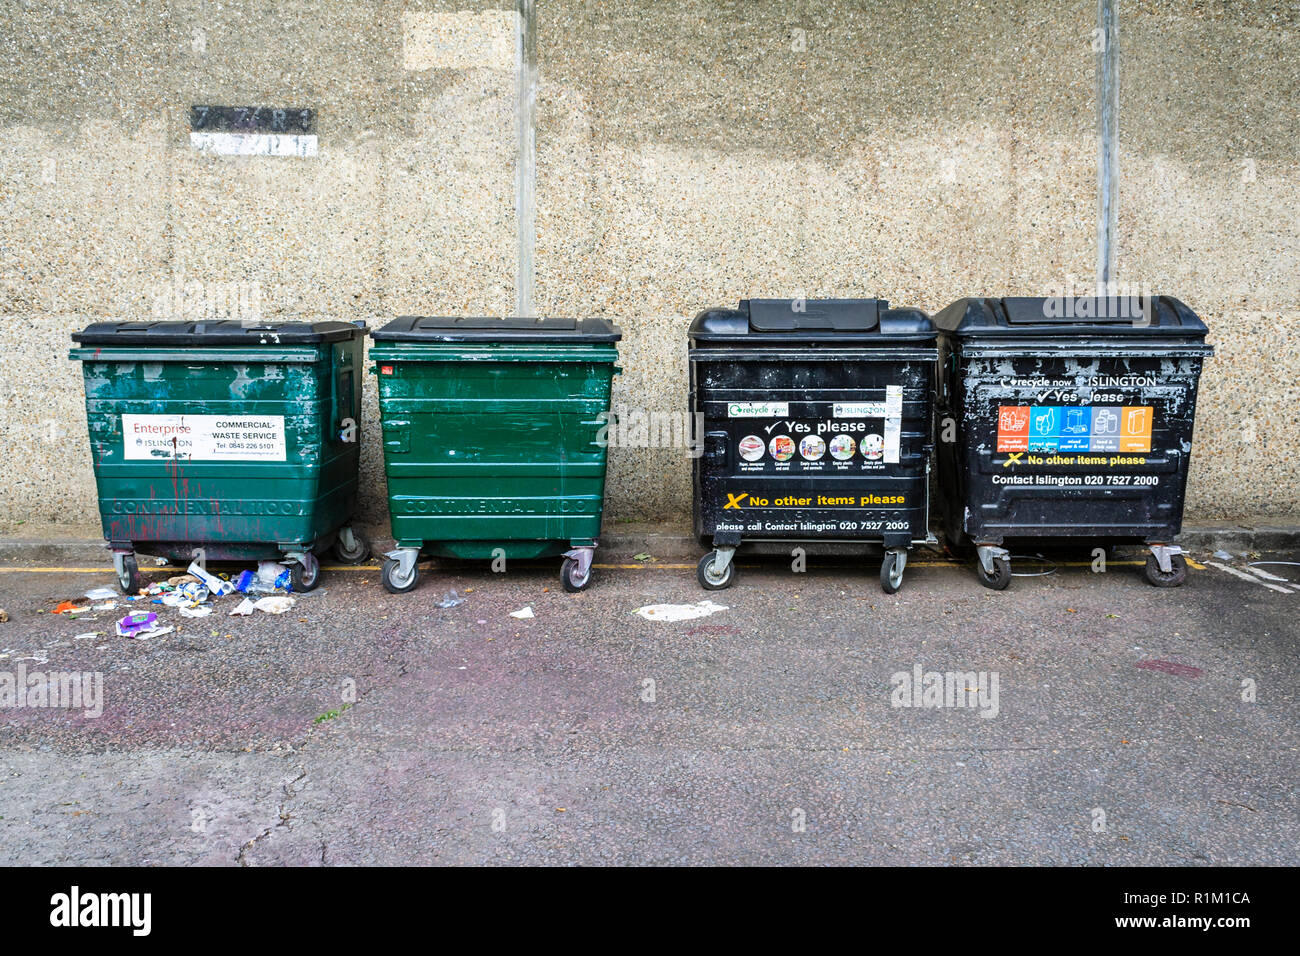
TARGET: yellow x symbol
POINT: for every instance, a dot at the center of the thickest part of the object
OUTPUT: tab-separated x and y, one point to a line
733	501
1013	457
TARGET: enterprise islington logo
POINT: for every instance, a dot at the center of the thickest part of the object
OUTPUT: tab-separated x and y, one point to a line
75	908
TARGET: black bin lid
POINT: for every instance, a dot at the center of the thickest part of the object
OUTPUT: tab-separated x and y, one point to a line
509	330
200	334
1076	316
826	321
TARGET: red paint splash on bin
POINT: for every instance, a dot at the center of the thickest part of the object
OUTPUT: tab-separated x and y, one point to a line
1171	667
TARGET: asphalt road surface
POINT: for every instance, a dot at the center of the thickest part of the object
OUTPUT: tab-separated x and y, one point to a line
361	727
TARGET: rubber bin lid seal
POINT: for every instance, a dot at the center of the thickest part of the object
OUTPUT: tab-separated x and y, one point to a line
488	329
824	321
202	334
1160	316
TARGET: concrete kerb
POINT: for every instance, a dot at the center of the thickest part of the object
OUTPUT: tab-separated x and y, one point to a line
622	543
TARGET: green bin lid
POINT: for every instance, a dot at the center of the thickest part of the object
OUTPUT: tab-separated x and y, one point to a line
203	334
509	330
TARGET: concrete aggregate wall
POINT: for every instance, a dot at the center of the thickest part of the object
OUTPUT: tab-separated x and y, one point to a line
690	153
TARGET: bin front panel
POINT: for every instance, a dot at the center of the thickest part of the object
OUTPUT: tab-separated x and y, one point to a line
494	443
812	444
226	446
1074	445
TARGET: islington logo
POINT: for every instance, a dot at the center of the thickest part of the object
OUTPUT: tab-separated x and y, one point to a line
75	908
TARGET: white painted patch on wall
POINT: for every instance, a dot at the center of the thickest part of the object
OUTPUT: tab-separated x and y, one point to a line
459	40
255	144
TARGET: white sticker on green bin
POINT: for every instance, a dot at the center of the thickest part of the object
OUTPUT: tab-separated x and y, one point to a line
203	437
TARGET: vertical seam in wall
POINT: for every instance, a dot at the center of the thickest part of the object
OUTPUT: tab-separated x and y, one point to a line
526	81
380	174
1107	89
169	160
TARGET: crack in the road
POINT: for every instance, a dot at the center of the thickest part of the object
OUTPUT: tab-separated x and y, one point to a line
284	811
285	817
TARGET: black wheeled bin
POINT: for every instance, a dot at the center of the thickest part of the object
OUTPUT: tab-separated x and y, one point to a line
816	421
1073	422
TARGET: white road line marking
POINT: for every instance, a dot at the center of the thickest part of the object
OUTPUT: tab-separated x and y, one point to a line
1267	576
1246	577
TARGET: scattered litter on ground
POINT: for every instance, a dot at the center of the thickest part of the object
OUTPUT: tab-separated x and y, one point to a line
186	596
87	636
101	594
523	613
451	599
201	610
160	562
273	575
155	632
179	579
134	624
679	612
218	586
270	577
1048	566
1223	555
1285	564
643	556
1256	565
274	605
106	606
4	615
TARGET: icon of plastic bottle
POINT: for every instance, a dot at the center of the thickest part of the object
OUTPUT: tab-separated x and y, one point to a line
1046	422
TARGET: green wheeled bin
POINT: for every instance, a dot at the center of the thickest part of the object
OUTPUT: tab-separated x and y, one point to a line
224	441
493	436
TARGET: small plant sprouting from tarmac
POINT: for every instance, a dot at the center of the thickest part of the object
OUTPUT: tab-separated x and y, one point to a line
331	714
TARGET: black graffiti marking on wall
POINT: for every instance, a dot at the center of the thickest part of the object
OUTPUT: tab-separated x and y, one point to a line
252	119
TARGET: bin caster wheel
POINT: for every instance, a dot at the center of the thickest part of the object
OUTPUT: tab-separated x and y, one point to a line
305	577
712	580
391	575
572	579
355	555
1172	578
129	577
891	573
999	579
